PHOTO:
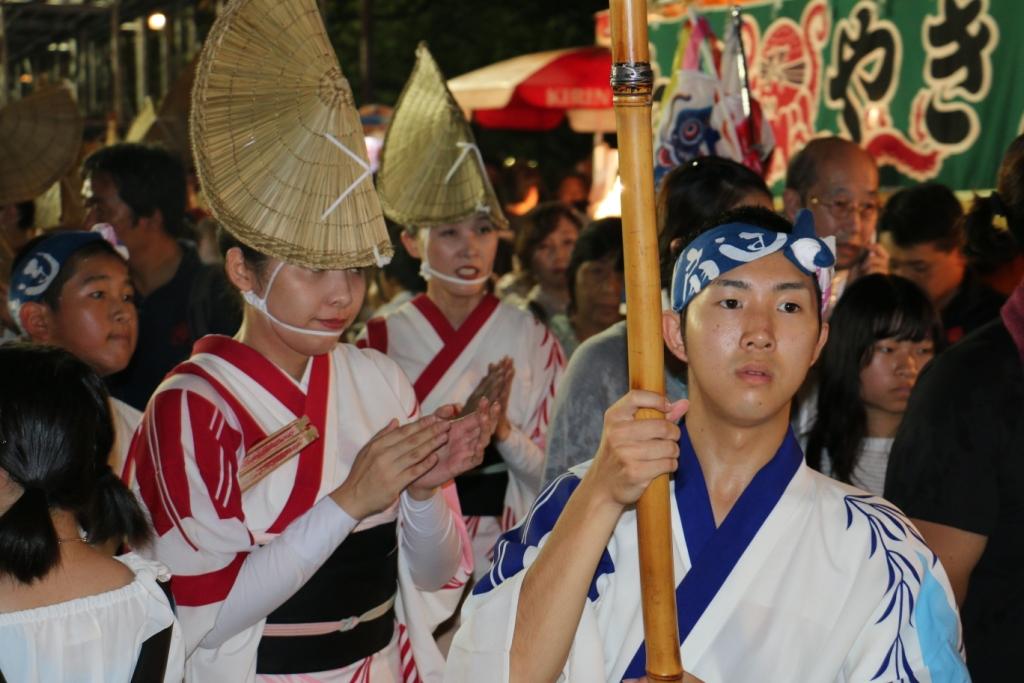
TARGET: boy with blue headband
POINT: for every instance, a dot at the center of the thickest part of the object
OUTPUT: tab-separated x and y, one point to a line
73	290
782	574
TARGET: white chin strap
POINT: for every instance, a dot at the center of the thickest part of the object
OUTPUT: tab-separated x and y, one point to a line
260	304
428	273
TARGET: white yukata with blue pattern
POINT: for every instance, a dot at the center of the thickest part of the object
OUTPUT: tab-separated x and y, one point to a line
806	580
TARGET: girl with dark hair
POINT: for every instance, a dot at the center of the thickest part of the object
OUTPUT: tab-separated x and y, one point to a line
883	332
73	290
69	611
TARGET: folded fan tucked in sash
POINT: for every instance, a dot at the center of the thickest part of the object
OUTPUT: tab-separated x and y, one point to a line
267	455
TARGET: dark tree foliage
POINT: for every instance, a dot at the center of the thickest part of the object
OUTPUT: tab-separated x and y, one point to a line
463	36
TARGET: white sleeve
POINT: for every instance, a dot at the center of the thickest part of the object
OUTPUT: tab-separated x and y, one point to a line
399	383
523	450
430	540
913	632
524	457
274	572
482	645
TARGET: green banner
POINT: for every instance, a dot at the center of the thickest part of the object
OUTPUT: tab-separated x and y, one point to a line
929	87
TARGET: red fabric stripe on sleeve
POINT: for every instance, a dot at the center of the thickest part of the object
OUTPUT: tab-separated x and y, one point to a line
206	589
160	463
257	366
251	431
216	446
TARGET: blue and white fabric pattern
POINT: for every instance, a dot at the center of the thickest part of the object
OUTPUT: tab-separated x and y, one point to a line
805	579
729	246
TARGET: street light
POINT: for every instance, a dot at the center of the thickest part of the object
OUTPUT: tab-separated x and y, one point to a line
157	21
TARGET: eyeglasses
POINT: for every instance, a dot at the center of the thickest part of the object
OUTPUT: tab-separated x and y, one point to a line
841	209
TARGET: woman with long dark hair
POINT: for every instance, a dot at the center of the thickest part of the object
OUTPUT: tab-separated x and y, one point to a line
883	332
69	611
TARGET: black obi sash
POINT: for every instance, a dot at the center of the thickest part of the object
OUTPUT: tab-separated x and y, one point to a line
360	575
482	489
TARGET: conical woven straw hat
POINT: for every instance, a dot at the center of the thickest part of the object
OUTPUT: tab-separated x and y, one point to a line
430	168
40	137
268	99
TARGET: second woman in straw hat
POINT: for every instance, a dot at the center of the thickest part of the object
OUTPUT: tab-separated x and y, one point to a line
298	496
457	342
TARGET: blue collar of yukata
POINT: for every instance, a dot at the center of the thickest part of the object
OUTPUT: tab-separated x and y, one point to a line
729	246
40	267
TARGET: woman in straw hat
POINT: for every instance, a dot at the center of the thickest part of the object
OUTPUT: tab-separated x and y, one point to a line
297	494
457	342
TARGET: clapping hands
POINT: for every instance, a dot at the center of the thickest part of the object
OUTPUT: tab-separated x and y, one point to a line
496	387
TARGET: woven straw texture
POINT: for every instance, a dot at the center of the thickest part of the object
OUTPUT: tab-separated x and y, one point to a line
40	137
268	92
417	183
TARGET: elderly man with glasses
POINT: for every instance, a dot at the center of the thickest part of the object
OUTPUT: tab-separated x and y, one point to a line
838	182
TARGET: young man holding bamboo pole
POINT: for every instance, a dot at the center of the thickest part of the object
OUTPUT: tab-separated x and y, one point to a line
781	573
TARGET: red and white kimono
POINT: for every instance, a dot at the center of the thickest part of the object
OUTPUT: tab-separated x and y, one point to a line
445	366
239	556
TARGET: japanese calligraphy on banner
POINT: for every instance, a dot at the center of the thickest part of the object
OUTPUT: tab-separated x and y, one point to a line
928	87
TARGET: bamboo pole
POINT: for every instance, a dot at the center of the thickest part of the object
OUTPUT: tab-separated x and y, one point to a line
632	87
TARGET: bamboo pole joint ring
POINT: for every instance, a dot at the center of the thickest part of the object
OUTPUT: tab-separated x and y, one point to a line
632	78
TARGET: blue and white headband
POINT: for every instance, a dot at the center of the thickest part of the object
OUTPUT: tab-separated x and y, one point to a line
729	246
40	266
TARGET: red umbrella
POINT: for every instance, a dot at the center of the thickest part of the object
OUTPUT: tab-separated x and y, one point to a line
537	91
